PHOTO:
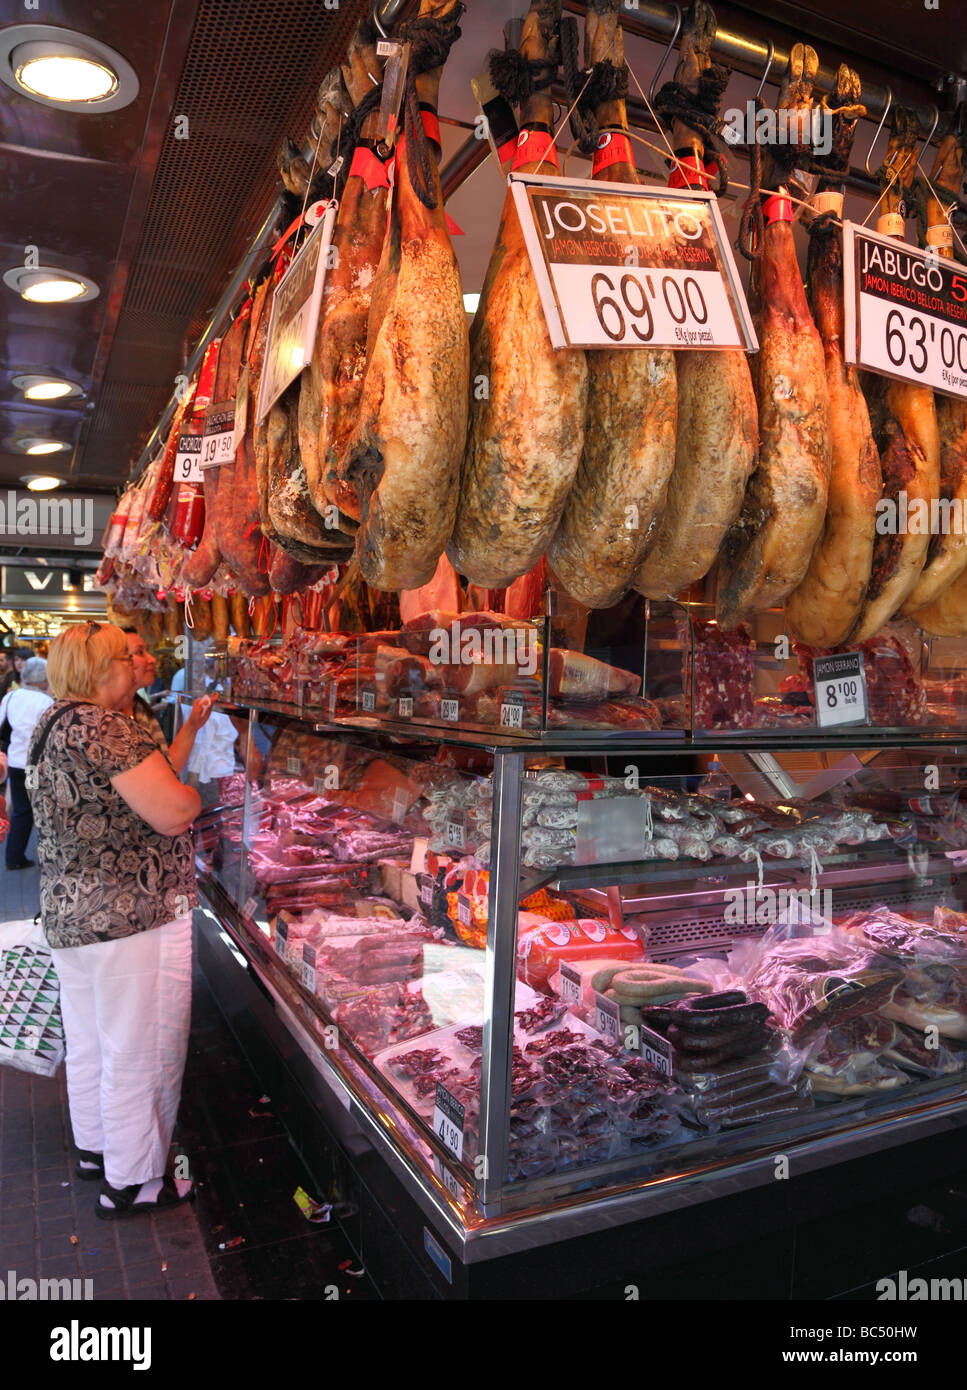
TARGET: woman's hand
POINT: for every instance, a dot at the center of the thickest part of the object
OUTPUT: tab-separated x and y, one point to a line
200	711
3	766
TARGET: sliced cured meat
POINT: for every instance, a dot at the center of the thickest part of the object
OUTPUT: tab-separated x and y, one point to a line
404	455
767	552
619	488
825	606
527	426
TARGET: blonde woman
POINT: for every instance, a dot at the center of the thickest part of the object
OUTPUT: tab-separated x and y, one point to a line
117	886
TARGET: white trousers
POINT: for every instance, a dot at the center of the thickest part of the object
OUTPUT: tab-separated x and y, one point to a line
126	1007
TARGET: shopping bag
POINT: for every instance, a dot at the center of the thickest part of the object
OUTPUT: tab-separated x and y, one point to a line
31	1028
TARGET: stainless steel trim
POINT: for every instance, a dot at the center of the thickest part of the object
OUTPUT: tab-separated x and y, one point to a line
501	976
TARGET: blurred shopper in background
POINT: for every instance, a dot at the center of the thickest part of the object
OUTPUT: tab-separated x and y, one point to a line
22	706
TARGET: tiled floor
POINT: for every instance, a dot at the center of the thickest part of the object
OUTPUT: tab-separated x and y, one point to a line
245	1171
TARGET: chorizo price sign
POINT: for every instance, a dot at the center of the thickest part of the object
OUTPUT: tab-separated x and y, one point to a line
295	314
906	311
618	265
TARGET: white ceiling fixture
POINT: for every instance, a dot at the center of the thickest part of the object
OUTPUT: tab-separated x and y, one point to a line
46	388
34	445
66	69
41	482
49	284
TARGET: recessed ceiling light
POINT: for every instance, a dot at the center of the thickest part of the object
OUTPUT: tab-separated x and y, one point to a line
49	284
41	482
62	68
65	76
46	388
47	446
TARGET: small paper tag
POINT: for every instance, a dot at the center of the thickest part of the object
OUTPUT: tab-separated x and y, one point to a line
448	1121
249	908
840	683
570	987
293	764
942	234
464	910
512	710
828	201
656	1051
450	710
188	459
607	1017
319	786
425	890
456	834
369	701
891	224
404	707
309	968
281	939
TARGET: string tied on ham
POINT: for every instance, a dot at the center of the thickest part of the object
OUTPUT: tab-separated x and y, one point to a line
588	88
517	78
699	110
430	42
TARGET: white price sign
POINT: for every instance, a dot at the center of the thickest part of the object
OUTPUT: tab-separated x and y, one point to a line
218	443
607	1017
450	710
448	1121
369	701
405	707
293	764
309	968
295	314
512	711
281	940
249	908
840	684
618	265
656	1051
906	311
570	986
464	910
456	834
425	890
188	459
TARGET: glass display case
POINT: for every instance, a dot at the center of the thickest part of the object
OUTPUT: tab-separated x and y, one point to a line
553	984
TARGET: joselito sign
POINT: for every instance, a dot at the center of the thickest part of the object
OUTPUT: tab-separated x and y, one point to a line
619	265
906	311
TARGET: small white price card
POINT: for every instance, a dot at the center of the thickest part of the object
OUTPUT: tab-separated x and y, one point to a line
464	910
512	710
629	266
570	986
425	890
293	764
249	907
656	1051
218	443
309	968
450	710
319	786
369	701
404	707
607	1017
188	459
457	834
906	311
448	1121
281	939
840	683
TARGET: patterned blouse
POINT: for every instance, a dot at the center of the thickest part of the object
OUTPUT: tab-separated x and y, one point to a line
104	873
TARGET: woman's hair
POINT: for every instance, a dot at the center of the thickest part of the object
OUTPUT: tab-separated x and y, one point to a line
34	672
81	657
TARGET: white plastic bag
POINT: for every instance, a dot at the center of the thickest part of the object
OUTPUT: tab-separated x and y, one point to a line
31	1029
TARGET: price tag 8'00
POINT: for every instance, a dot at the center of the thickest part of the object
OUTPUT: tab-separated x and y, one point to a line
840	684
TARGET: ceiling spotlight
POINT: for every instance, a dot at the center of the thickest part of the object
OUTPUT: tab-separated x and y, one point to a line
48	284
62	68
45	388
40	482
32	444
65	76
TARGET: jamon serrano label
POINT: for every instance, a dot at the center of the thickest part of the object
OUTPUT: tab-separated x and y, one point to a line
295	314
619	265
906	311
840	682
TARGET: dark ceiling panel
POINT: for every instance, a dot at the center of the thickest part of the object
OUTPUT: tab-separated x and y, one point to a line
250	77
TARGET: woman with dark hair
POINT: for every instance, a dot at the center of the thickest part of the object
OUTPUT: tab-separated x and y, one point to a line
117	886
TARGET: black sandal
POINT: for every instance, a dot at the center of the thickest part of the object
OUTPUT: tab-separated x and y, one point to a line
89	1174
125	1204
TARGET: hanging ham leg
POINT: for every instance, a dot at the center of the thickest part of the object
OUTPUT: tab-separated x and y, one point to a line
947	554
629	441
529	403
904	419
767	552
718	426
404	455
822	610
